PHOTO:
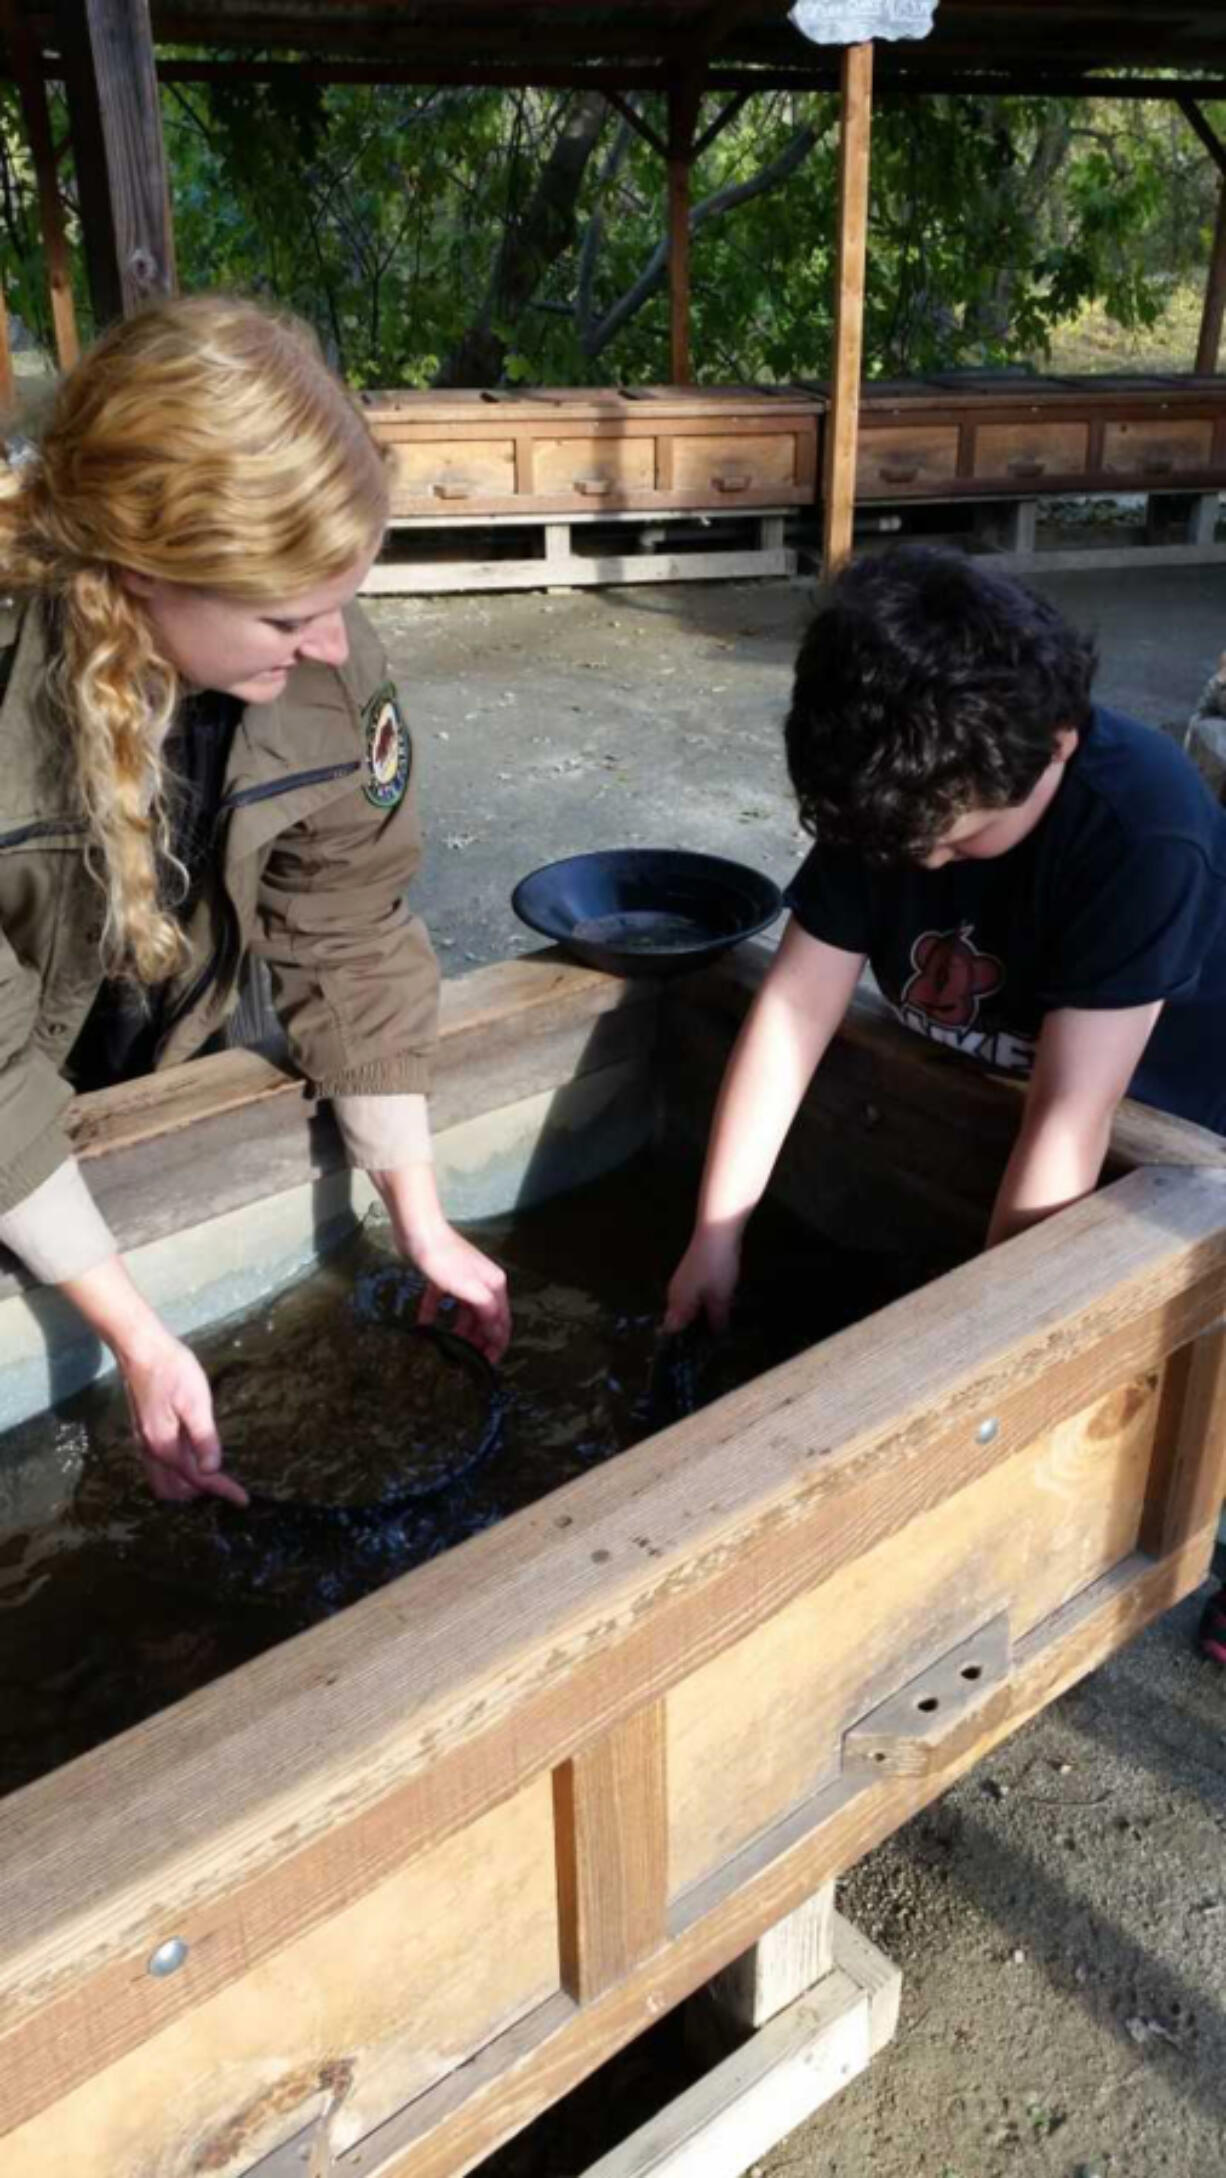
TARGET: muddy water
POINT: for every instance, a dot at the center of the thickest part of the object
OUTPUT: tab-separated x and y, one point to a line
118	1606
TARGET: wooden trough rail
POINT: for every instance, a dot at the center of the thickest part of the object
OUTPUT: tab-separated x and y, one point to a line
433	1861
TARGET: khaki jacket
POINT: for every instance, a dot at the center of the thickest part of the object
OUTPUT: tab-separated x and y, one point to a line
317	839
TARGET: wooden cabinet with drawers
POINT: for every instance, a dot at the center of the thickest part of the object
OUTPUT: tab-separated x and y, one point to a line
590	450
1154	449
905	457
1000	434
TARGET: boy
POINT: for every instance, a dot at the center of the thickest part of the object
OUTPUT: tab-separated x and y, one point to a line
1037	882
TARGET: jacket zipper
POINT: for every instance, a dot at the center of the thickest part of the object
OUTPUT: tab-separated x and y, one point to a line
45	828
242	799
52	827
271	787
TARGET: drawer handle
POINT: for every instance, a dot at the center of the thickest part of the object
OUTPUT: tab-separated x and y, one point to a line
729	481
1158	465
593	487
898	472
452	491
1027	466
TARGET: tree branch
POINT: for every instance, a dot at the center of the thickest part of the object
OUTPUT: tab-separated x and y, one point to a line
530	246
716	206
594	237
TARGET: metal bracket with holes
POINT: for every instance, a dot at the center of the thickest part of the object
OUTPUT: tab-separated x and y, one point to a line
928	1721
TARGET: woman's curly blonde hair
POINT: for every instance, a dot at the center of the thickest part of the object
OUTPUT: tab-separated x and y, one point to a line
203	442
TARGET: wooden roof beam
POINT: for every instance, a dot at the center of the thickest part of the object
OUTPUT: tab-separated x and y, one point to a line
1205	130
634	120
649	77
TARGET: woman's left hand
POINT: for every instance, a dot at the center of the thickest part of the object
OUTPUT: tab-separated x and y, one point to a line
455	1270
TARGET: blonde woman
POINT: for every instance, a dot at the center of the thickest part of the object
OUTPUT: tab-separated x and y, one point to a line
202	756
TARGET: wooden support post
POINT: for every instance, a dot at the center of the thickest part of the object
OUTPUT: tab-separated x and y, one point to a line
751	2100
683	100
855	128
1188	1472
8	387
612	1854
121	162
27	69
1209	345
785	1962
1181	518
1006	525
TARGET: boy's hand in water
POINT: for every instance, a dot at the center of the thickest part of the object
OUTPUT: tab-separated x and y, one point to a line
704	1282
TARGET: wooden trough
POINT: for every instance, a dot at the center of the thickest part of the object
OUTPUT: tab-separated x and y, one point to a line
433	1861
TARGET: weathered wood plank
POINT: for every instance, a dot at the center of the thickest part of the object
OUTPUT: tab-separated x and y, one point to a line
356	2018
234	1128
142	1111
575	570
611	1822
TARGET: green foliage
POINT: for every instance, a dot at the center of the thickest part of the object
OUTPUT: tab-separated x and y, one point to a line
21	252
380	214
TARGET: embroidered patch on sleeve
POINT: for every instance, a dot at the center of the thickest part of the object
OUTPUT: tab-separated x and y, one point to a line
389	752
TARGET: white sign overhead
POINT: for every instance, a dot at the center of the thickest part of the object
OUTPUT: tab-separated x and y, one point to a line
855	22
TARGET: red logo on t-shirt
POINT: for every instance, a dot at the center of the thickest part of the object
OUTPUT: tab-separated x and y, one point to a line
951	977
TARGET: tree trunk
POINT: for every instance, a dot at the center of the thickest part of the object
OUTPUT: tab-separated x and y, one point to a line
988	317
531	245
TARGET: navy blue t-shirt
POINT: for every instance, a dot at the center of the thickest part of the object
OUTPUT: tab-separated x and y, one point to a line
1116	898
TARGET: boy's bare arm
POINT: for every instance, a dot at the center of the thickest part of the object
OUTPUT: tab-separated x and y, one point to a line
786	1032
1084	1064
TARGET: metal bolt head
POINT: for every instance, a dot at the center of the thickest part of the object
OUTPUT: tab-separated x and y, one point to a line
987	1430
168	1957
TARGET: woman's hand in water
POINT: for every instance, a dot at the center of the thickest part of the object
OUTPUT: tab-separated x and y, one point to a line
455	1270
172	1414
452	1268
705	1280
168	1392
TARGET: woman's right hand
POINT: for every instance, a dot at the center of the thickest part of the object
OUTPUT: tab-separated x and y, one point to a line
172	1415
168	1392
704	1282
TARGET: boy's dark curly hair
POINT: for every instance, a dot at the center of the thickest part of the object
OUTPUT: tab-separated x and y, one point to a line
927	686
